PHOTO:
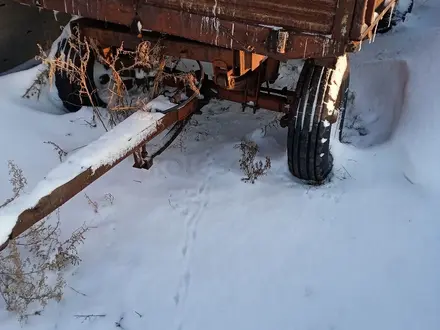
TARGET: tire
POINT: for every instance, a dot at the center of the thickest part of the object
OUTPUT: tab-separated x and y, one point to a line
343	104
69	92
309	128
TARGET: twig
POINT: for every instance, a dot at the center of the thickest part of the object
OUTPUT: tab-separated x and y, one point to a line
82	294
86	317
74	149
347	171
139	314
408	179
61	152
9	200
92	125
119	323
93	204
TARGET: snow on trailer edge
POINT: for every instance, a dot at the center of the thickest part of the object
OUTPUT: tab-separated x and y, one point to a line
110	147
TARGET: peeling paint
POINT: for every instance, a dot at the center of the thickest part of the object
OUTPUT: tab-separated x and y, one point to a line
325	48
344	25
232	34
305	49
210	25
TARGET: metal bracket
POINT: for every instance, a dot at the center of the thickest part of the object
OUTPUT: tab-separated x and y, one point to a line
141	159
136	26
277	41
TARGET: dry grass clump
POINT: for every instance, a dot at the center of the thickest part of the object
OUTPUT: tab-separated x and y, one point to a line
32	265
146	64
251	168
17	181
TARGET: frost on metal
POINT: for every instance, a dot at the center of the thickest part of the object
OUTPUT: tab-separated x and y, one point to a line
209	25
272	27
109	148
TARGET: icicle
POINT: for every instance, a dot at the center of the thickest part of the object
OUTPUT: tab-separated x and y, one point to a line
391	14
375	32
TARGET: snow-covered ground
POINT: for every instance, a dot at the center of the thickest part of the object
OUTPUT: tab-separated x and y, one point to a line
189	246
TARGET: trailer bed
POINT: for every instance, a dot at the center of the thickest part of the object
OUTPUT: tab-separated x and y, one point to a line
314	16
281	29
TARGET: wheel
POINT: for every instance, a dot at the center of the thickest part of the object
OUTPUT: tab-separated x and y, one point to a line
69	91
344	94
319	94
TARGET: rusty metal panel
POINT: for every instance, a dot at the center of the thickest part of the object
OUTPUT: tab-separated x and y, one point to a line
306	15
226	33
171	46
359	19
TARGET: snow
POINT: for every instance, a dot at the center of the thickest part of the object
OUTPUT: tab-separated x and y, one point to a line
160	103
336	81
188	245
276	28
105	151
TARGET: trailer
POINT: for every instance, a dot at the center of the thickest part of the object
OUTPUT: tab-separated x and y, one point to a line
244	42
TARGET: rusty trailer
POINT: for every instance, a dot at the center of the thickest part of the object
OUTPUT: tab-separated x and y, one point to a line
245	42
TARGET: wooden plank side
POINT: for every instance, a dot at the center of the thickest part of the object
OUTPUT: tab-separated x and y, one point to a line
301	15
305	15
207	30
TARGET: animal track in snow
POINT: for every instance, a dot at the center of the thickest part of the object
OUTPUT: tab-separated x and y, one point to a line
195	202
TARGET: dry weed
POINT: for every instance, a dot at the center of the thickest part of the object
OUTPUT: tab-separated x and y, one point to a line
17	180
76	69
58	149
110	198
274	123
37	85
92	203
31	266
146	60
251	168
86	317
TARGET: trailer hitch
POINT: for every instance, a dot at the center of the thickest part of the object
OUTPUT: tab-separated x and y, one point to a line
28	210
